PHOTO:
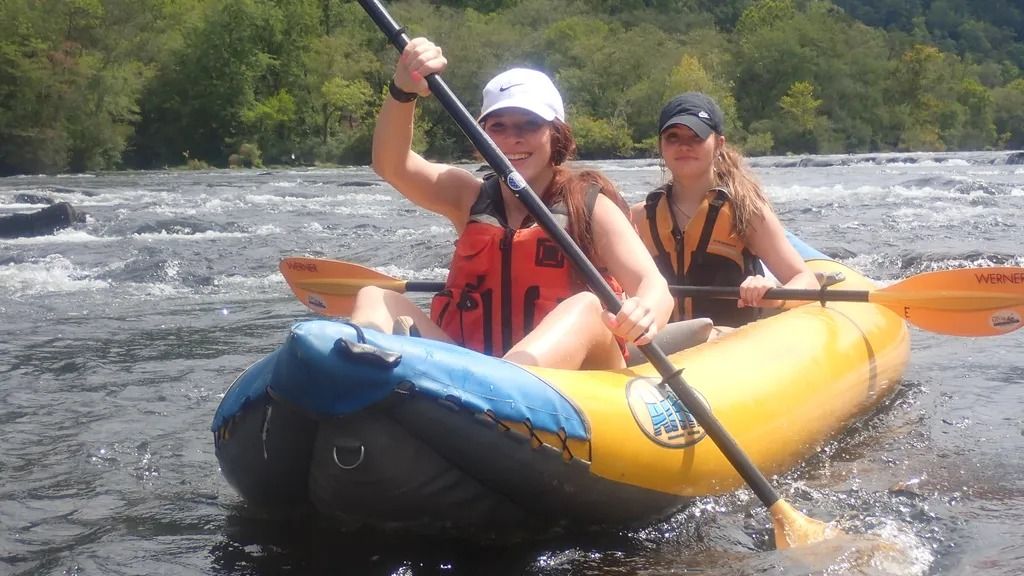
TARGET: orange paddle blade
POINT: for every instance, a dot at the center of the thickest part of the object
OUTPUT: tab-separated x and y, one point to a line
965	302
329	287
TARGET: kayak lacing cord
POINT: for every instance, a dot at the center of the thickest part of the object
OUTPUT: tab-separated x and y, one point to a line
564	439
490	414
535	440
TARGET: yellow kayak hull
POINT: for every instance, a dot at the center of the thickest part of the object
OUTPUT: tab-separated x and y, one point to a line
782	387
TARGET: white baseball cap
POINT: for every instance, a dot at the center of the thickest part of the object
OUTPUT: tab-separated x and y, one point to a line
523	88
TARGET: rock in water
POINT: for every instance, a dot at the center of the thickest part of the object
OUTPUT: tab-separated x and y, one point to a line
40	223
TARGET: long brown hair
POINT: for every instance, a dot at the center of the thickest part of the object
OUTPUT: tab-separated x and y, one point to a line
749	204
571	188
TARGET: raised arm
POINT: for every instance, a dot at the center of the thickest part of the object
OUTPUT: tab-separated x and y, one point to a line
767	240
648	302
440	188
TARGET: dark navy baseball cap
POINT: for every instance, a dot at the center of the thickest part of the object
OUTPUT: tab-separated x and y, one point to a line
694	110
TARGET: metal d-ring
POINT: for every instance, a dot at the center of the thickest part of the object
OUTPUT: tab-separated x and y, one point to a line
362	454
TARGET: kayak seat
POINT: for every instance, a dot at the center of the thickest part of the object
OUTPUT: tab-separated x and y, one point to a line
676	336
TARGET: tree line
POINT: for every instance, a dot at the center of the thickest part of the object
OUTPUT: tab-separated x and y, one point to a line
108	84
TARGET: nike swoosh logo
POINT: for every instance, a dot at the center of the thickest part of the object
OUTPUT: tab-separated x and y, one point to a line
506	87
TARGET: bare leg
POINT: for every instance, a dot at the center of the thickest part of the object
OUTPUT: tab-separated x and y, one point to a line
377	308
572	336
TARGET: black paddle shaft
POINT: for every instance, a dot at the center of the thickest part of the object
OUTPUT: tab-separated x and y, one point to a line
717	292
672	376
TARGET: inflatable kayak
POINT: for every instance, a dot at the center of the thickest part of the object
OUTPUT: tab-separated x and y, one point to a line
407	433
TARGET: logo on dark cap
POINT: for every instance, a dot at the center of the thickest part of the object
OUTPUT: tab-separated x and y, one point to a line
694	110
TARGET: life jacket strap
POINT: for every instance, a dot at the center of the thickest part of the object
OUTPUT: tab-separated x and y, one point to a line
714	207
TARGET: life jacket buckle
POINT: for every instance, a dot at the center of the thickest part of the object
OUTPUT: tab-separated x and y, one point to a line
466	302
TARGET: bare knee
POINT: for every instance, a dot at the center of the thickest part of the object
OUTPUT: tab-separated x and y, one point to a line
582	305
601	349
369	294
371	309
571	336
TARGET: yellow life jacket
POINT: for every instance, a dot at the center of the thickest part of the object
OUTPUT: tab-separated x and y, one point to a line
708	252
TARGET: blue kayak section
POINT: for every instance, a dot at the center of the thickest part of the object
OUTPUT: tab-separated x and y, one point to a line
249	387
315	371
804	249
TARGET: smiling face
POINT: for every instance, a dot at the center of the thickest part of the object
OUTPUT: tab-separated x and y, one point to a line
524	138
688	156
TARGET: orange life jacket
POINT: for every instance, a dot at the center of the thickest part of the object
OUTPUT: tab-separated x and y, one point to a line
708	252
503	281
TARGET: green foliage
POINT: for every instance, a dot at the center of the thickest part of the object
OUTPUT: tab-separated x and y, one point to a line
977	130
600	138
846	63
196	164
759	144
63	104
991	29
249	155
800	126
763	15
102	84
801	107
940	107
1008	114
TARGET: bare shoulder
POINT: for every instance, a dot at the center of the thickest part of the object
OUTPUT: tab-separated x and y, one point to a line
460	182
765	228
609	218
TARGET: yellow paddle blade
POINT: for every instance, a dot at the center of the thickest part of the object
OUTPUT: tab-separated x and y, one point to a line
329	287
792	528
964	302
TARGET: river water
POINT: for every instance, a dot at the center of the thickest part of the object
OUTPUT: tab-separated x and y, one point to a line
121	334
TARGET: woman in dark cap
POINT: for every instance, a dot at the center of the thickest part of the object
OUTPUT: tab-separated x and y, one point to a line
711	224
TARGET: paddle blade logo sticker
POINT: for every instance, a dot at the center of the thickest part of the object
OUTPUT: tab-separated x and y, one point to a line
316	302
1007	320
661	415
301	266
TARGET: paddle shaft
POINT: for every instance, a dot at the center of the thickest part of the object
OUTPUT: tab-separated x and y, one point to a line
722	292
671	375
774	293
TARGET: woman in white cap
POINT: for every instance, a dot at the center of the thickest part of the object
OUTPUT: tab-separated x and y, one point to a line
711	224
510	291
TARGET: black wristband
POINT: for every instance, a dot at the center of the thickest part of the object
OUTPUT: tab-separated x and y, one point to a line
399	94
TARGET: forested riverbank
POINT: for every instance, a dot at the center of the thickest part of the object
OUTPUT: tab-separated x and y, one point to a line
103	84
